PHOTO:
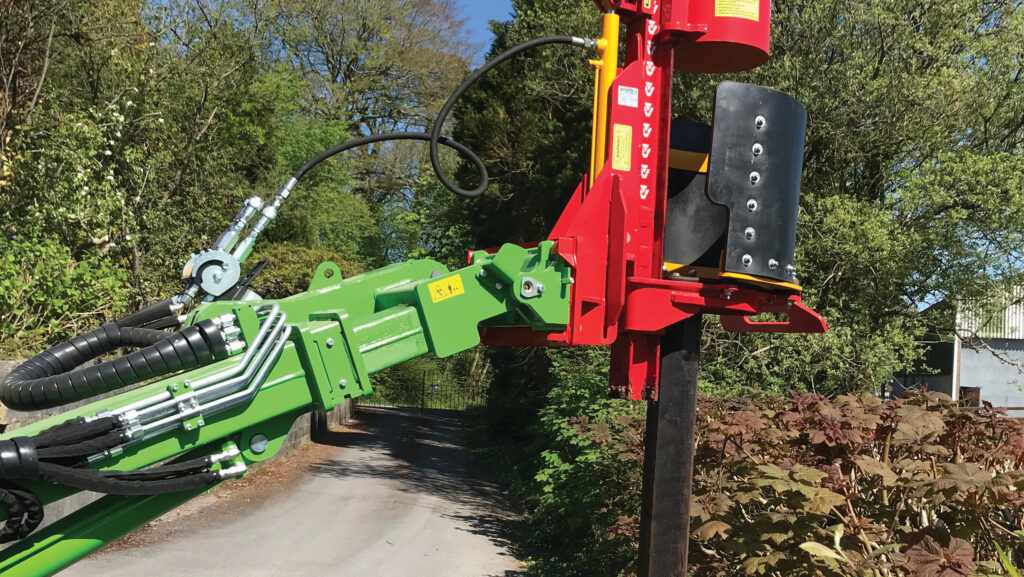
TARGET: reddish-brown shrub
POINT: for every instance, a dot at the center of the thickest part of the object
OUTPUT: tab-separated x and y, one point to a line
852	486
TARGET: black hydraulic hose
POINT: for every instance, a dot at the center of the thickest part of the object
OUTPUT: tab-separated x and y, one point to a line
164	472
151	314
24	514
106	339
388	136
83	449
50	379
165	323
75	431
435	132
434	137
91	480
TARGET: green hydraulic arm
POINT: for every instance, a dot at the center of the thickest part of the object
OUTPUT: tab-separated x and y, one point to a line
290	356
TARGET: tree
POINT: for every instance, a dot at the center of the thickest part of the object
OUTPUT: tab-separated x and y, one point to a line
377	67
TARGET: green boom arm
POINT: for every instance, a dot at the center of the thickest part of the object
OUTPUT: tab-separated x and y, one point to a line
309	351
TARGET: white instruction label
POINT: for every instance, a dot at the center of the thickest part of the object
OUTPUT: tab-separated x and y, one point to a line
629	96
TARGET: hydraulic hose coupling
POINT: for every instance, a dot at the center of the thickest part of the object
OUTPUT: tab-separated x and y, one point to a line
232	471
226	455
230	237
588	43
269	213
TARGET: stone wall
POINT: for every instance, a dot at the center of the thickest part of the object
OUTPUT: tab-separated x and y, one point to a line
302	432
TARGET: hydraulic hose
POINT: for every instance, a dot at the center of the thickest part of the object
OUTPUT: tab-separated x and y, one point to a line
91	480
435	131
173	470
50	379
75	431
388	136
434	137
160	311
24	514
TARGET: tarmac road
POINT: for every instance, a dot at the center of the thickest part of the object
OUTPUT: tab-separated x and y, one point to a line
396	495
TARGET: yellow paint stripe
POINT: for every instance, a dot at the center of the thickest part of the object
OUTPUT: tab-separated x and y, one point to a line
686	160
768	283
710	273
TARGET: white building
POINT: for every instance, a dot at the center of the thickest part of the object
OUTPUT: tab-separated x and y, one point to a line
985	359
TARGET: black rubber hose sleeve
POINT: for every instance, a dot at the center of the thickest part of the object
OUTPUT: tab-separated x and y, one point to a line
24	514
166	471
91	480
75	431
187	349
18	459
149	315
84	448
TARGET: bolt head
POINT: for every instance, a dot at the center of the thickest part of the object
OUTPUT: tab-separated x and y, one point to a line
748	260
343	383
187	384
751	205
497	285
755	177
174	387
201	422
757	149
749	233
188	427
483	273
773	264
759	122
330	343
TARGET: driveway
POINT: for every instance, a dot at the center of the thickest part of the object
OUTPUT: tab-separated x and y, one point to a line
394	494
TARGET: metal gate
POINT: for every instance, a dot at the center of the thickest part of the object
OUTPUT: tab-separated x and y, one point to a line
431	391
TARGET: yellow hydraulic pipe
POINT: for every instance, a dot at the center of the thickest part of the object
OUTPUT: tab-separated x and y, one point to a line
607	65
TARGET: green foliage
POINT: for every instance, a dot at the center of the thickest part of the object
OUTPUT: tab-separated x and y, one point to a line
130	133
578	488
45	292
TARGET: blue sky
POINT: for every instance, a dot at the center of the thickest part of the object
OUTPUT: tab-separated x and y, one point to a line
477	13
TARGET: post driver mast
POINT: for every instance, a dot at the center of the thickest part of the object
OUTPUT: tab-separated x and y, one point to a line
678	219
674	220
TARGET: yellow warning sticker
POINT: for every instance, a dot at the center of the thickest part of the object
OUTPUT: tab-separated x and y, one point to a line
622	146
747	9
445	289
647	4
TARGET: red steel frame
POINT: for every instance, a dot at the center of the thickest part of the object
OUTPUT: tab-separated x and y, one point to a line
611	231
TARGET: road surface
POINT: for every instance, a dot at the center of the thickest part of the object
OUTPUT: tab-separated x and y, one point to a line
393	495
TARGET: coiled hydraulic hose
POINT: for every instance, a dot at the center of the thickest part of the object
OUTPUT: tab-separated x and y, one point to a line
434	136
50	379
